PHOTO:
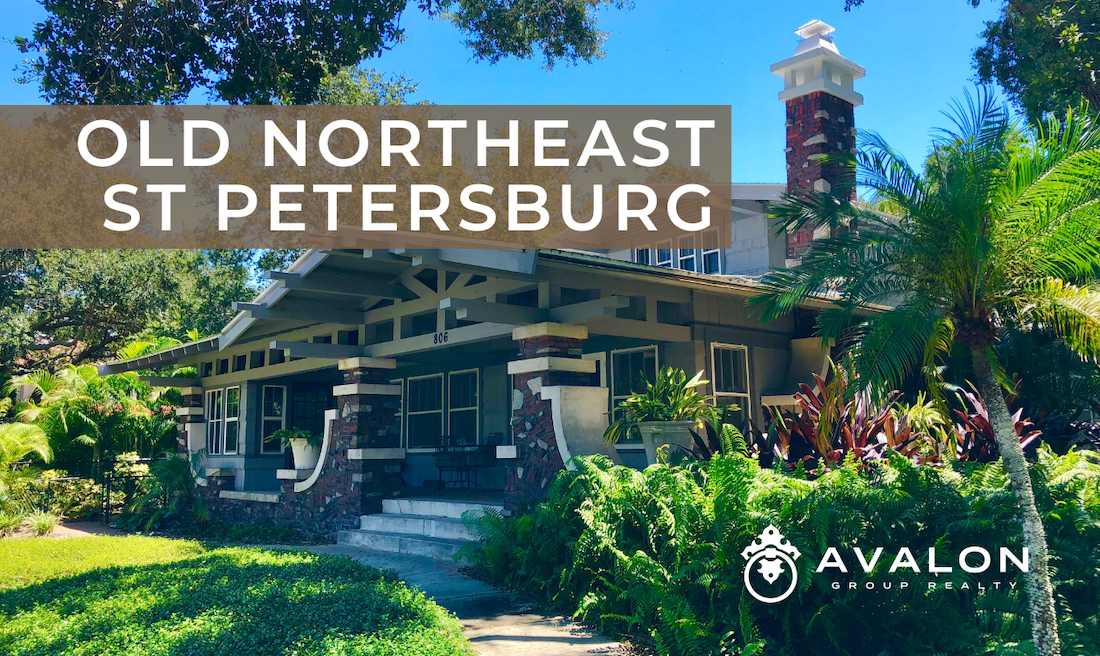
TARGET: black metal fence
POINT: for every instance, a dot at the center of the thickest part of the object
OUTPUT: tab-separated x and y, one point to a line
117	481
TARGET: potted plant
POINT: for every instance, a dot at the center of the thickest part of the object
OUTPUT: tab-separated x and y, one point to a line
305	446
664	414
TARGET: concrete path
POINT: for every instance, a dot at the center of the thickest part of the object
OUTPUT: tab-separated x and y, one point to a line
497	623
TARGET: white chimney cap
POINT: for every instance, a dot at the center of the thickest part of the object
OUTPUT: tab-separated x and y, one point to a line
815	28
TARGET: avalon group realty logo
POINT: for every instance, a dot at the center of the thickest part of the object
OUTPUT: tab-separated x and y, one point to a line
772	557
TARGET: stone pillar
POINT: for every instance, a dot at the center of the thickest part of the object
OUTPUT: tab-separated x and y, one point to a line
367	404
549	355
189	414
821	101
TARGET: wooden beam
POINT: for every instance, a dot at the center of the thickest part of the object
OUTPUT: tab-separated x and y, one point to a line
641	329
311	314
597	308
361	286
489	263
162	381
321	351
476	310
447	339
395	255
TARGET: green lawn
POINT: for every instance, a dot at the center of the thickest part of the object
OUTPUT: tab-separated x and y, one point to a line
140	596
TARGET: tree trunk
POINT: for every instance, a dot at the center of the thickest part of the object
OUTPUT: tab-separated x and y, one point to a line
1040	593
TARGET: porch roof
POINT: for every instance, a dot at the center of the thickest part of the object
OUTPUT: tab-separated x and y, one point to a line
356	288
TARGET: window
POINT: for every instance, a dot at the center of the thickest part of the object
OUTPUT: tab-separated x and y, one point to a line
348	337
277	356
223	366
273	417
206	370
257	359
630	369
664	254
240	362
462	405
308	403
710	255
322	339
232	419
730	366
687	253
641	256
424	413
215	435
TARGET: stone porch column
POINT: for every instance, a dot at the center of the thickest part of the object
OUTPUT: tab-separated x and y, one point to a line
190	419
367	426
549	357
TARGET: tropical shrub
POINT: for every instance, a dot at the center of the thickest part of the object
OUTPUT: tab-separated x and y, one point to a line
659	552
669	397
85	414
166	494
42	523
10	523
54	491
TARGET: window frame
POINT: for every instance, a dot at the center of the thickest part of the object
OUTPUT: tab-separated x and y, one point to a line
691	254
734	396
265	418
613	399
214	416
657	261
717	250
236	419
477	401
442	409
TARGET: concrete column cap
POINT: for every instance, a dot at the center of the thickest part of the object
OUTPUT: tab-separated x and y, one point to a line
367	363
550	329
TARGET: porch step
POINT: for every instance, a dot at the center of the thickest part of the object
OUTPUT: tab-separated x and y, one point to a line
447	528
413	545
434	507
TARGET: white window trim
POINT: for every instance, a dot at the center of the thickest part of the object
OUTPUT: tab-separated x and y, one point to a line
215	446
265	418
692	254
601	357
226	419
442	409
475	408
704	251
715	394
614	400
657	254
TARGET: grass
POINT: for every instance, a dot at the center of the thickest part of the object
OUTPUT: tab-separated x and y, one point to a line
142	596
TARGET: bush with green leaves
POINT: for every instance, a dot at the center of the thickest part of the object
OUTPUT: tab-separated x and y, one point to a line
659	552
54	491
42	523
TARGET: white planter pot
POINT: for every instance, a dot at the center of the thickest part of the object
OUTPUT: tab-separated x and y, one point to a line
658	433
305	454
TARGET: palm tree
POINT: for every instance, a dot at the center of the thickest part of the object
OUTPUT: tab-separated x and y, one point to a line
995	231
18	441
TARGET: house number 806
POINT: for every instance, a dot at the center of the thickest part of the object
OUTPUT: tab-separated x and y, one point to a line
440	338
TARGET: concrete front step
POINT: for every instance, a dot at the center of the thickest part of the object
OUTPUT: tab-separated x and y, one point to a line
412	545
447	528
433	507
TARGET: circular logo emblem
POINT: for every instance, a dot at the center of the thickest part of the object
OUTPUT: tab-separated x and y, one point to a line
771	554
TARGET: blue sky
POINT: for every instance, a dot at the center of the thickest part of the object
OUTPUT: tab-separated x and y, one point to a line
916	52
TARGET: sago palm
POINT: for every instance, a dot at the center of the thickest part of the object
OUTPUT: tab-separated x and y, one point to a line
1000	228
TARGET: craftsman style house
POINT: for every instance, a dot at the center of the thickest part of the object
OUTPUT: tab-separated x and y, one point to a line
432	374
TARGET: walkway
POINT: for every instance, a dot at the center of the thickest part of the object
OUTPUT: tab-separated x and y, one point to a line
497	624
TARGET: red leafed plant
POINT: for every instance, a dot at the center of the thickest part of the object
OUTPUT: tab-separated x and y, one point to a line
974	439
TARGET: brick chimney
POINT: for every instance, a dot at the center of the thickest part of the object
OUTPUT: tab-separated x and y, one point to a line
821	101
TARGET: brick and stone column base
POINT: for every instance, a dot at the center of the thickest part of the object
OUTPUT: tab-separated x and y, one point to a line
187	415
549	355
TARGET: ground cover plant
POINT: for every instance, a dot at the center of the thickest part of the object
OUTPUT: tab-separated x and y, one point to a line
137	595
659	552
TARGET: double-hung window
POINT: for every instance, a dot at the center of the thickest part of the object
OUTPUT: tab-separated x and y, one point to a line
730	364
273	417
462	405
663	254
630	369
687	253
232	419
215	421
424	411
710	256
